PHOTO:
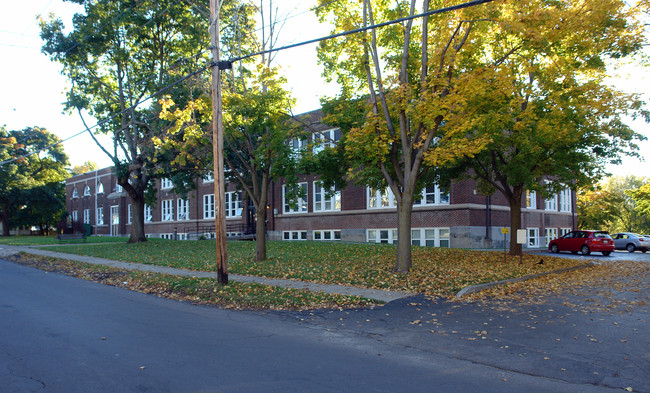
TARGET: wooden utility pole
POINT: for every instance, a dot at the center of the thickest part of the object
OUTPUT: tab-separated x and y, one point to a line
217	149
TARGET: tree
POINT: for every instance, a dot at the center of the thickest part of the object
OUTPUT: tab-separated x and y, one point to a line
118	54
411	73
543	103
256	120
32	159
616	205
641	197
41	206
86	167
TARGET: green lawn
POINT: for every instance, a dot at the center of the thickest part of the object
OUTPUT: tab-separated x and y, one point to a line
435	271
45	240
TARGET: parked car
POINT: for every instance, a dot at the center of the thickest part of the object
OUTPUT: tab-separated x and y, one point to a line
584	242
631	241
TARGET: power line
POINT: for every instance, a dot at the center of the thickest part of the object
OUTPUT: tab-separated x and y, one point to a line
362	29
342	34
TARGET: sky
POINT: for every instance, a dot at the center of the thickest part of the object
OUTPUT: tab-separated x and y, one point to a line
33	88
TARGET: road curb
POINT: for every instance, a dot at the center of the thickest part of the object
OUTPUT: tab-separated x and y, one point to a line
480	287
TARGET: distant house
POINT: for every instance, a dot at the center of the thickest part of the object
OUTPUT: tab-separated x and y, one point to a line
459	217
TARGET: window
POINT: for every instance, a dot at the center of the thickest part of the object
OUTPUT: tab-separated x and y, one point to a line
168	236
327	235
208	206
300	204
430	237
565	200
183	210
551	203
166	184
129	214
294	235
433	195
297	145
148	215
531	199
323	203
564	231
549	234
100	216
388	236
325	139
87	190
168	210
380	199
86	216
533	237
75	216
118	188
208	178
75	194
100	187
233	204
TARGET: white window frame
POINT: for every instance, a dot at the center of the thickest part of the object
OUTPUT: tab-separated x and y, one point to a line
183	209
431	237
100	188
118	188
167	213
168	236
208	206
99	218
208	178
321	200
549	234
565	200
129	214
325	139
564	231
531	199
75	215
381	235
297	145
166	184
380	199
432	195
148	213
75	193
301	203
87	190
233	204
532	237
86	216
550	204
294	235
327	235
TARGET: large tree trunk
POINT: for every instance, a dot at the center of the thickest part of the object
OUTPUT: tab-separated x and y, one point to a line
515	221
404	211
137	220
260	234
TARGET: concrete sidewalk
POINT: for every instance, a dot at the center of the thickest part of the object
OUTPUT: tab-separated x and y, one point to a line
375	294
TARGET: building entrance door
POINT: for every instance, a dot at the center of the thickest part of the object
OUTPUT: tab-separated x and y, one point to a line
115	220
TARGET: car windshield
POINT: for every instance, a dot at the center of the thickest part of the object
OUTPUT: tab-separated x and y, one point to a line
601	234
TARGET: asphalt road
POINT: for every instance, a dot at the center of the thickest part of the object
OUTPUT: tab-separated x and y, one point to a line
60	334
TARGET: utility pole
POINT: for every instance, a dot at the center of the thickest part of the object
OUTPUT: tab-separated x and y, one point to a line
217	145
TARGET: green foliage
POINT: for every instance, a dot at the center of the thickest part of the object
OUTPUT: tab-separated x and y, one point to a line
30	193
618	204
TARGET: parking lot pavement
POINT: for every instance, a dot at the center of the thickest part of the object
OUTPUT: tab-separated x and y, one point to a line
588	327
618	255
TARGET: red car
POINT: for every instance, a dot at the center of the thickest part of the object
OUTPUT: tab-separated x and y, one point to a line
584	242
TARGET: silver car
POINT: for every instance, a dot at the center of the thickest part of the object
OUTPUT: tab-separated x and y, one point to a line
631	241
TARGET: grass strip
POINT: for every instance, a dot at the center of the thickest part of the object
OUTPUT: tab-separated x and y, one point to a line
235	295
